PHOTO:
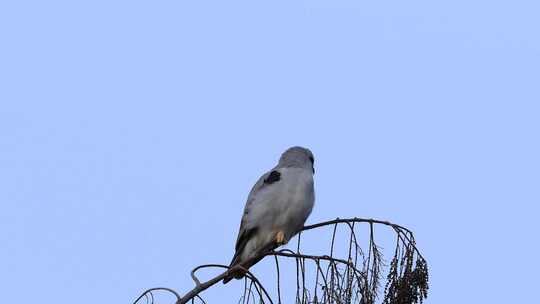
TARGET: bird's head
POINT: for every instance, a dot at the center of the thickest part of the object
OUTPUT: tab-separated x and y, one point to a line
297	157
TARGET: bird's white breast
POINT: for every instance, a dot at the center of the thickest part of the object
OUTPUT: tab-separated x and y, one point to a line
286	204
298	200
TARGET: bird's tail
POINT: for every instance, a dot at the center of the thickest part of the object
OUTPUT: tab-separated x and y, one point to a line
240	273
237	274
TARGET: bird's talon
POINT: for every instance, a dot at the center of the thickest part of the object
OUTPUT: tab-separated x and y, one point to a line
280	238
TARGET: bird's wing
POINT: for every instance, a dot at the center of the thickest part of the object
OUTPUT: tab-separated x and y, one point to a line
247	226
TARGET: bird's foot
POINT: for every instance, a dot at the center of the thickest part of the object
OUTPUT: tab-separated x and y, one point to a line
280	238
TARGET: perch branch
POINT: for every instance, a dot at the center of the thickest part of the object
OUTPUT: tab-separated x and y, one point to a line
404	235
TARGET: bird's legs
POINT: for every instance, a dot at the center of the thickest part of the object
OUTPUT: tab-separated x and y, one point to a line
280	238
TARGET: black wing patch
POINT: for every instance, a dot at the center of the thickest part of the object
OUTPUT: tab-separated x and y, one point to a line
273	177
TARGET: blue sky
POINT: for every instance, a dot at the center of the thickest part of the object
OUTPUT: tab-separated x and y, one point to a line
132	131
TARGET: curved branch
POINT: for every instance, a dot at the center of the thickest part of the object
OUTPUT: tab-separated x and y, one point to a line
405	236
149	291
200	287
290	254
396	227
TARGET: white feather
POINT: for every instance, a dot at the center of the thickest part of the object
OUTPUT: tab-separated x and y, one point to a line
282	206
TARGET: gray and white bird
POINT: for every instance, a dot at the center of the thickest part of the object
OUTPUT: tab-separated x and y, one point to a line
276	209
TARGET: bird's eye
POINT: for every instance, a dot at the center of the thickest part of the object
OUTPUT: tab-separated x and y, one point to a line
312	160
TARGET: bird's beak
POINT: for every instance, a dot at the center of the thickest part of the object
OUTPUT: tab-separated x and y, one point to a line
313	168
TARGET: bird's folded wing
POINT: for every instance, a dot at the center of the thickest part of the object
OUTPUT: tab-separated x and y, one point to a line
247	226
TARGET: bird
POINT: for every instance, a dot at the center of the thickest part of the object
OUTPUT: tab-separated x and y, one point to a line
276	209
